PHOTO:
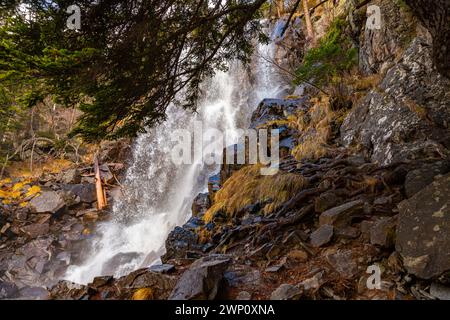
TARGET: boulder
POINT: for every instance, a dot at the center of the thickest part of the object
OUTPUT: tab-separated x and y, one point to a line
418	179
341	215
276	109
201	281
160	284
71	176
36	230
406	117
325	201
200	204
162	268
86	192
382	232
8	290
106	173
322	236
423	237
342	262
179	242
66	290
439	291
347	232
286	292
47	202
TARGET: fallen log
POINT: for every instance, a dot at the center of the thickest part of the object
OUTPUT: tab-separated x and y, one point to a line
101	195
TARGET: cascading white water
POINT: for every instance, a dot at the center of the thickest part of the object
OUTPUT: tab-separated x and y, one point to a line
159	194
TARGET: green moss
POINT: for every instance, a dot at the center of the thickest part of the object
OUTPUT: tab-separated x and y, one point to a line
330	58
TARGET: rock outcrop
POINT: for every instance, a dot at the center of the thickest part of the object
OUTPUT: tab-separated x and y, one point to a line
423	237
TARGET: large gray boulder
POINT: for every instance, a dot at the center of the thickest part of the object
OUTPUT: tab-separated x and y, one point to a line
201	281
47	202
407	116
423	237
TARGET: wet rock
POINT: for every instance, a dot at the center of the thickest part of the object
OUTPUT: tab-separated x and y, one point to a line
422	234
200	204
162	268
342	261
325	201
286	292
36	230
382	232
179	242
439	291
274	109
341	216
47	202
201	281
86	192
418	179
213	185
112	265
151	258
322	236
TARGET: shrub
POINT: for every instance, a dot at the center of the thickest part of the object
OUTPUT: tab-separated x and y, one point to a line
333	56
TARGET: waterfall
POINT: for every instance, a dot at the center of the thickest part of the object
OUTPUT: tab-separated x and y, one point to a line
159	194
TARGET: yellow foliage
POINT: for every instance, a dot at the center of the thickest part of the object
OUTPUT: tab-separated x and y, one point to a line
143	294
23	204
19	186
21	169
5	181
33	191
247	186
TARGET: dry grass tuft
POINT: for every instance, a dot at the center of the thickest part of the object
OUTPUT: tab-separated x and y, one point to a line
316	130
247	186
143	294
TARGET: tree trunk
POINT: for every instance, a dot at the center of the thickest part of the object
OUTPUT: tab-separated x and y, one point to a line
309	26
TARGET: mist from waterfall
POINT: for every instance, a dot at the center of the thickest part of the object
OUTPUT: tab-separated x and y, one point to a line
157	193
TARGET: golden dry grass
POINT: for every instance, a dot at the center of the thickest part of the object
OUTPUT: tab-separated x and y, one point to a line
143	294
247	186
315	128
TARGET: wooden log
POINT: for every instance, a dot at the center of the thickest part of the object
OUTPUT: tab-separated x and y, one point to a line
101	194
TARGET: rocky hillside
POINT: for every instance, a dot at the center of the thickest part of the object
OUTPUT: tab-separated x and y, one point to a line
364	185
